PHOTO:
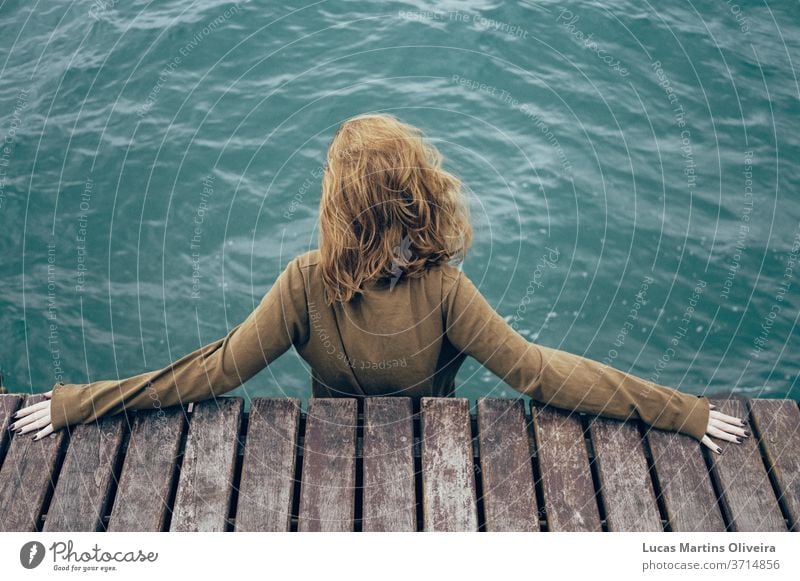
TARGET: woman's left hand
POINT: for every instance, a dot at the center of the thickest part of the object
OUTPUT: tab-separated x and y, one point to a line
724	427
34	417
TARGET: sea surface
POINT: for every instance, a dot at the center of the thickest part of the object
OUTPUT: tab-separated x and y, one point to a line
632	171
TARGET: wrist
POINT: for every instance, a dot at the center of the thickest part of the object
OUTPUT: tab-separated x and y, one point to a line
67	405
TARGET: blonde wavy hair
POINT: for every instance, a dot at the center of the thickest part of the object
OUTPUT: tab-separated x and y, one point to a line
388	209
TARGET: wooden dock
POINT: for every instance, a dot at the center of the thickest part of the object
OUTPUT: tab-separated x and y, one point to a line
395	464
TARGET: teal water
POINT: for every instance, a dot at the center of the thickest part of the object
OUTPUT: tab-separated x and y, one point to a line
631	168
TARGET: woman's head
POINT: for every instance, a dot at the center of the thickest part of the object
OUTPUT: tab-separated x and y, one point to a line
387	206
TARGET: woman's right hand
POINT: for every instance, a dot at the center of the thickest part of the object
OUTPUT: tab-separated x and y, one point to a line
724	427
34	417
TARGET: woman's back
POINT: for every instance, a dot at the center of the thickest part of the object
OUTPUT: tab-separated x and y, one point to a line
388	340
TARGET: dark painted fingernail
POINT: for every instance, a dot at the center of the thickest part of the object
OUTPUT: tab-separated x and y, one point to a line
719	450
747	433
738	440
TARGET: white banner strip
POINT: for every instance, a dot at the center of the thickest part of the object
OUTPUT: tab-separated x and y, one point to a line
399	555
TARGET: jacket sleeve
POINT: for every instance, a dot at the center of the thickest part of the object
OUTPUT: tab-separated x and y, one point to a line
562	379
279	321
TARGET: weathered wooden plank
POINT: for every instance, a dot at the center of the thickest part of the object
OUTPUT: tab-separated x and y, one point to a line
87	476
205	486
570	501
8	405
27	476
327	493
509	496
685	483
267	483
148	472
388	452
625	485
448	479
778	423
746	493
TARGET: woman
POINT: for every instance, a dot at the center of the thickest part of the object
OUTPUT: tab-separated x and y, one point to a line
378	310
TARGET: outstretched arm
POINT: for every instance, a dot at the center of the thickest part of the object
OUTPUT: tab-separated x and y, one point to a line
279	321
570	381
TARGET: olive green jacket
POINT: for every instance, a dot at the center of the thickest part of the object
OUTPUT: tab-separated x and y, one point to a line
404	337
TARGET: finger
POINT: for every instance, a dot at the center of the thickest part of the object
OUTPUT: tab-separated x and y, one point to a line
717	433
40	423
712	406
28	419
729	428
727	418
48	394
46	432
710	444
31	408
